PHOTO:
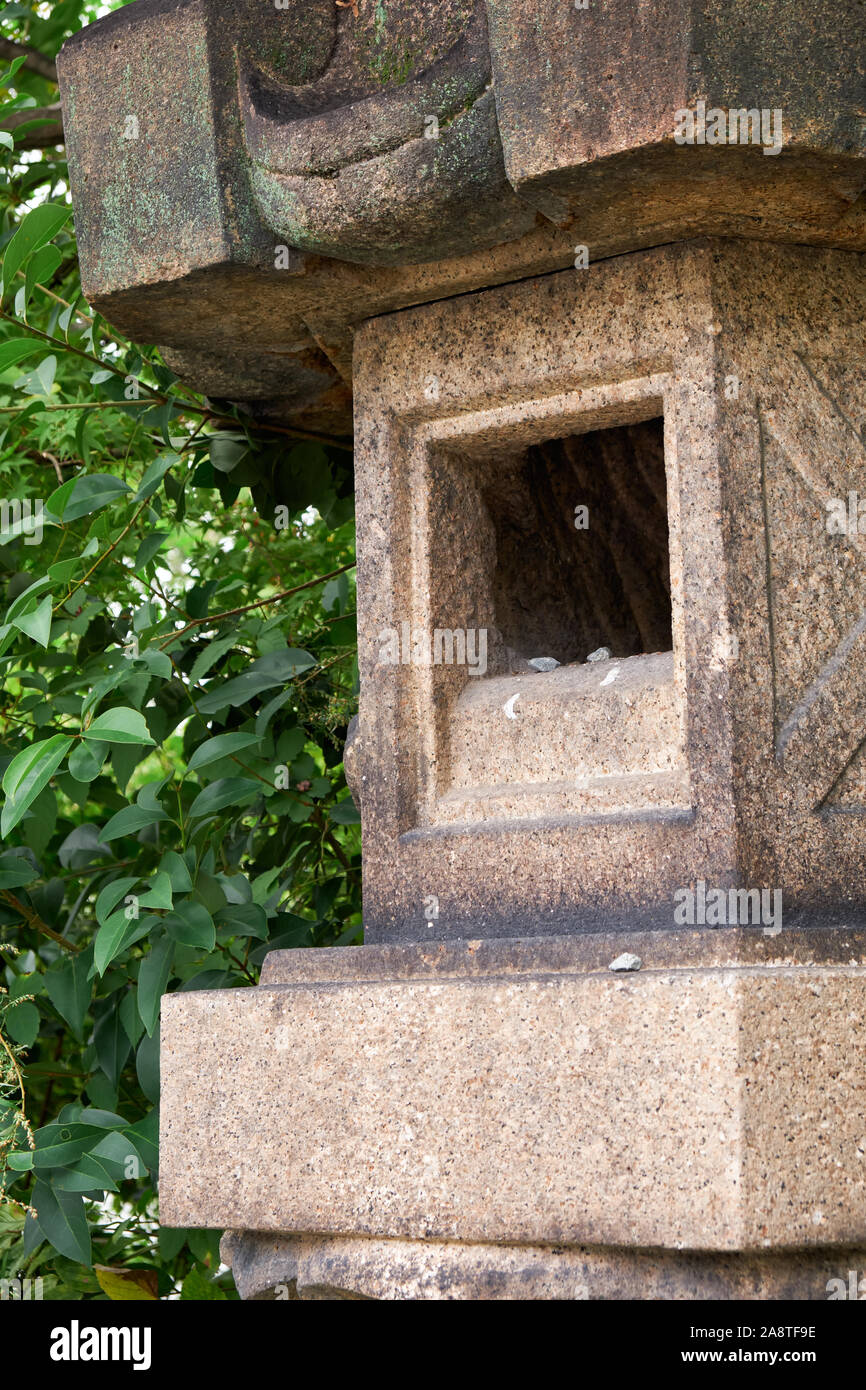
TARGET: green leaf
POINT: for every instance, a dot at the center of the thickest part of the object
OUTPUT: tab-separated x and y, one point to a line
22	1023
148	795
150	546
27	774
120	725
244	919
191	925
6	77
264	884
112	1044
178	873
210	892
41	267
85	763
345	812
235	888
15	871
197	1286
130	1019
35	230
68	986
266	714
111	895
30	983
116	933
120	675
275	668
158	893
40	379
125	758
103	1119
211	654
99	1089
117	1148
90	492
154	475
58	498
157	662
147	1067
89	1174
16	349
61	1219
295	808
24	598
38	826
36	623
227	450
129	821
335	592
153	980
171	1240
145	1135
219	747
81	847
227	791
59	1144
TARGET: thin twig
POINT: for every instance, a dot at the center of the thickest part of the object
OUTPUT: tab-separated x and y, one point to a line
248	607
34	920
58	299
101	558
77	352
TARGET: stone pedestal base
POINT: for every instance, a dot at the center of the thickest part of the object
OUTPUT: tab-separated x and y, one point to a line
513	1119
313	1268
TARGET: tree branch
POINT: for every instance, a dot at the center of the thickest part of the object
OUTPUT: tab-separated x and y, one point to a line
247	607
48	132
34	920
36	62
100	558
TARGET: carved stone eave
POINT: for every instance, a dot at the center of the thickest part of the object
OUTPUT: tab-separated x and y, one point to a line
305	127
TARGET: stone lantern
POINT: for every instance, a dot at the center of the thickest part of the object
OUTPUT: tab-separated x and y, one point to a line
594	278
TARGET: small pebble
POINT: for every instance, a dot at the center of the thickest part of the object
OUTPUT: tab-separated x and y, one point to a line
543	663
626	962
600	654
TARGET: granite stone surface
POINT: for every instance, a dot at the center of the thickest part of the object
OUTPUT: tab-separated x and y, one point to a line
252	182
503	800
521	1092
317	1268
593	282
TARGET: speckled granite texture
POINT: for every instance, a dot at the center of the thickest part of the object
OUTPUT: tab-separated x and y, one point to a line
591	805
316	1268
521	1092
400	153
261	191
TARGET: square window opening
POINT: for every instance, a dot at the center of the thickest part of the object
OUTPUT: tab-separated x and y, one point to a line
581	546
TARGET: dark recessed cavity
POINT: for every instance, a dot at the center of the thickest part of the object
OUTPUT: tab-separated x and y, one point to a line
568	582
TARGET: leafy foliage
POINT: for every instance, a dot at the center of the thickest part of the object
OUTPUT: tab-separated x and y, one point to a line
177	656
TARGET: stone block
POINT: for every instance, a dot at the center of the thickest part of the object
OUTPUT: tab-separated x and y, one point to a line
251	183
591	98
334	1268
643	455
521	1092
